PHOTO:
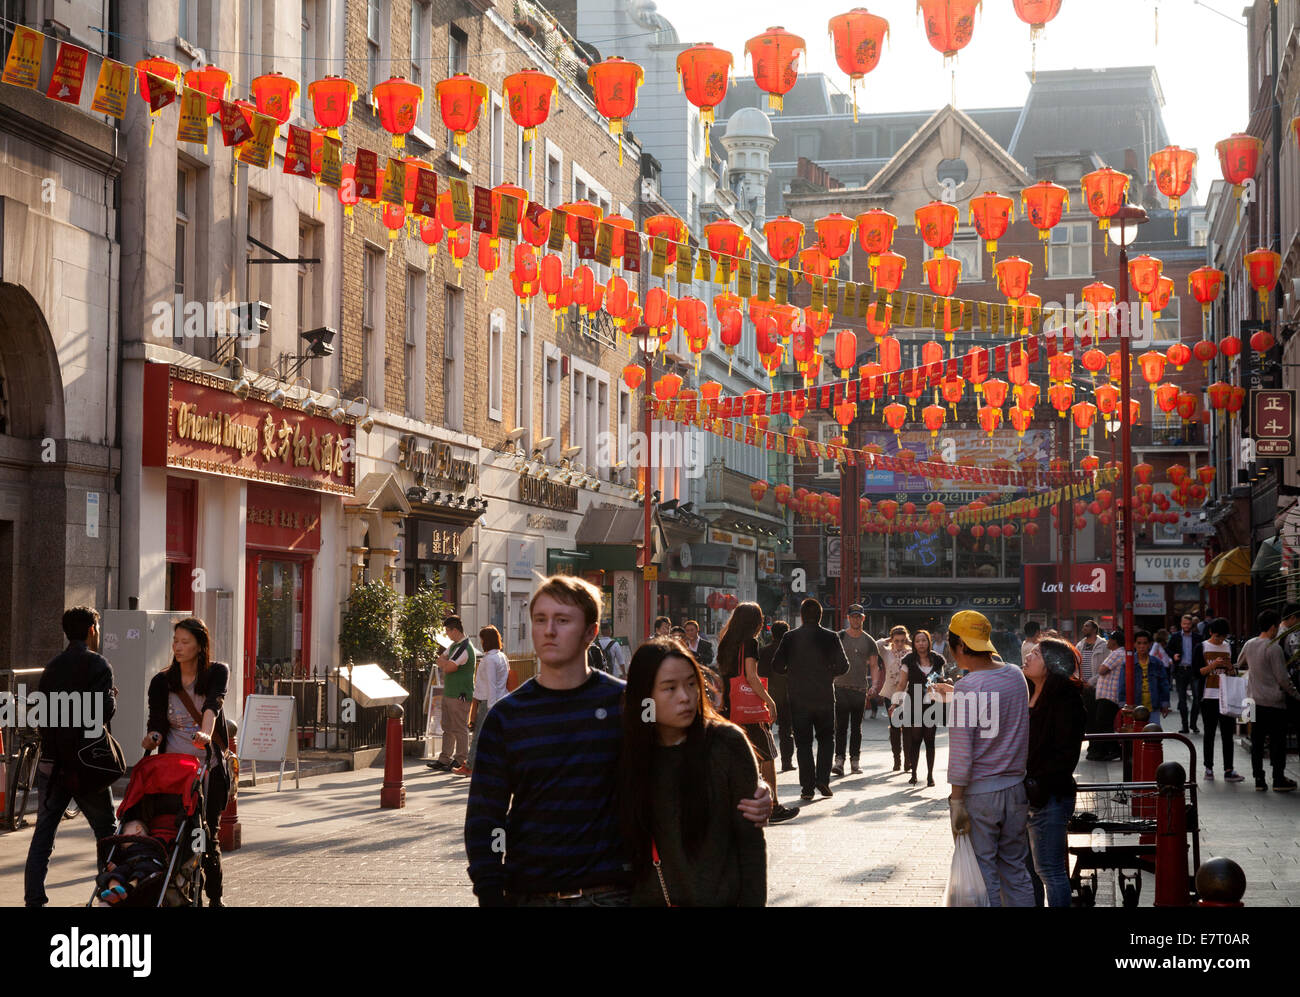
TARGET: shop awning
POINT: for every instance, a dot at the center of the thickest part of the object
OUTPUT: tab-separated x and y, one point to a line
711	555
1230	568
620	527
1268	561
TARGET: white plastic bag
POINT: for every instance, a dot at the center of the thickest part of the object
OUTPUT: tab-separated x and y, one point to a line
1232	695
965	881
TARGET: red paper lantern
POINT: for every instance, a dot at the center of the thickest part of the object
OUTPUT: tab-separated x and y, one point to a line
331	102
1152	366
1020	419
1143	472
1236	398
398	100
949	24
528	95
726	238
1239	158
936	223
1262	341
757	489
846	351
1167	397
992	213
890	268
668	227
1205	283
614	85
1206	473
784	238
858	37
1104	191
775	53
211	81
875	233
933	416
1205	351
1144	272
1186	405
1172	169
894	415
1093	361
1263	267
394	216
891	354
1060	367
667	387
1164	291
813	263
990	418
1178	355
633	375
702	72
155	66
1061	397
1100	298
942	273
274	94
1013	277
834	236
1043	204
1230	346
460	103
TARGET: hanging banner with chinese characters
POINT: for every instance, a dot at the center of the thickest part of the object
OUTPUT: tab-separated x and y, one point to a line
195	421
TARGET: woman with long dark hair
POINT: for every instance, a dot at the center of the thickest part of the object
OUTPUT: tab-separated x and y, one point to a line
922	667
187	715
738	657
1057	722
682	771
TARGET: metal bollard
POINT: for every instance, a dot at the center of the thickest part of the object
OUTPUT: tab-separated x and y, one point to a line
1147	756
1220	882
231	835
393	795
1171	837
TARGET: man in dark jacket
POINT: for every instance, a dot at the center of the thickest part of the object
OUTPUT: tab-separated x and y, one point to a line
1186	652
83	673
811	656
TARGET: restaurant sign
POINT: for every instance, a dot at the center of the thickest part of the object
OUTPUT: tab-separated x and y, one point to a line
193	420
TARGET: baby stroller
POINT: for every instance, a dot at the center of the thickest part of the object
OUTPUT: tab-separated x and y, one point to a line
162	868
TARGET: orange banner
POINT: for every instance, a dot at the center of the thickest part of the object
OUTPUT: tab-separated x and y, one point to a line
23	67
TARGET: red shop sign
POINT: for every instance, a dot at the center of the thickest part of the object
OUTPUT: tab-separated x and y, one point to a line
1092	586
194	420
283	519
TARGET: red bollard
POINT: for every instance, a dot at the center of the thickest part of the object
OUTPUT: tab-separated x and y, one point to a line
1148	754
393	795
231	835
1171	837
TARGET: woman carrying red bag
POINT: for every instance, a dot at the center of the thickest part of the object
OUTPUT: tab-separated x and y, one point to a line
682	772
745	699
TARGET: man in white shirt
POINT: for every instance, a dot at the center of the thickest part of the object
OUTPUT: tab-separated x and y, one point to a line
616	655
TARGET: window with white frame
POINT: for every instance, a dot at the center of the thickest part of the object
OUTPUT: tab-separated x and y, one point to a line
1070	251
524	166
523	371
453	345
182	280
624	431
827	431
551	401
496	362
372	324
422	56
457	51
554	175
375	44
1168	327
307	68
497	147
416	337
969	250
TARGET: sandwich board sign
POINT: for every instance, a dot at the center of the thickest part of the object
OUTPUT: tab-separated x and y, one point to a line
269	733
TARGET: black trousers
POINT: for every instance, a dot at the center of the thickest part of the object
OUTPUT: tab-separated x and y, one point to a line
784	730
895	740
1270	724
850	705
218	796
813	720
1190	685
1227	726
913	738
1104	723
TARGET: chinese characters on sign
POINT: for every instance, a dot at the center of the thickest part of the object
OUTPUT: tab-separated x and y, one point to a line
1273	422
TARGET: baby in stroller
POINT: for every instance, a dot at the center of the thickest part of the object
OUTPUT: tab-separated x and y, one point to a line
136	861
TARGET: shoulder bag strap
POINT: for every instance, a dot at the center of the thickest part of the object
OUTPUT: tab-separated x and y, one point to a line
663	886
218	737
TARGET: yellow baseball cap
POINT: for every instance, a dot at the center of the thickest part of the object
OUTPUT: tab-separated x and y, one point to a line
974	630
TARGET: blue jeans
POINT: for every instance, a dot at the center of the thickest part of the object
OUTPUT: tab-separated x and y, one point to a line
1001	847
53	799
1048	843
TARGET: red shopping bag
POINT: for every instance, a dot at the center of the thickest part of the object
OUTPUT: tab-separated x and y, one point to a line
747	706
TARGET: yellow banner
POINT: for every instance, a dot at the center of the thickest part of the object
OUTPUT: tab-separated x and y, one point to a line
23	67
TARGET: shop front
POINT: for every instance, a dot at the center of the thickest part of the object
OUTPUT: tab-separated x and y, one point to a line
241	503
930	607
1166	585
1091	596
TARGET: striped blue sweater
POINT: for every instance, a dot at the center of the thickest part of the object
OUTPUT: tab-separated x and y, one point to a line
542	814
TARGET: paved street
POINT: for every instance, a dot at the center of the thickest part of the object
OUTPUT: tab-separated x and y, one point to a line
877	842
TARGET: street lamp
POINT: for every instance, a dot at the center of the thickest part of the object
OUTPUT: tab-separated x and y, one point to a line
647	342
1123	233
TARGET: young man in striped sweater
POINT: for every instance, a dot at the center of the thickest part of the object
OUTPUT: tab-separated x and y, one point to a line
542	827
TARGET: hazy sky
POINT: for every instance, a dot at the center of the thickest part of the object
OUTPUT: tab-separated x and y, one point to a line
1200	57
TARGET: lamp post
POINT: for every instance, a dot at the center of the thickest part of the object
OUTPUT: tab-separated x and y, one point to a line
647	342
1123	233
